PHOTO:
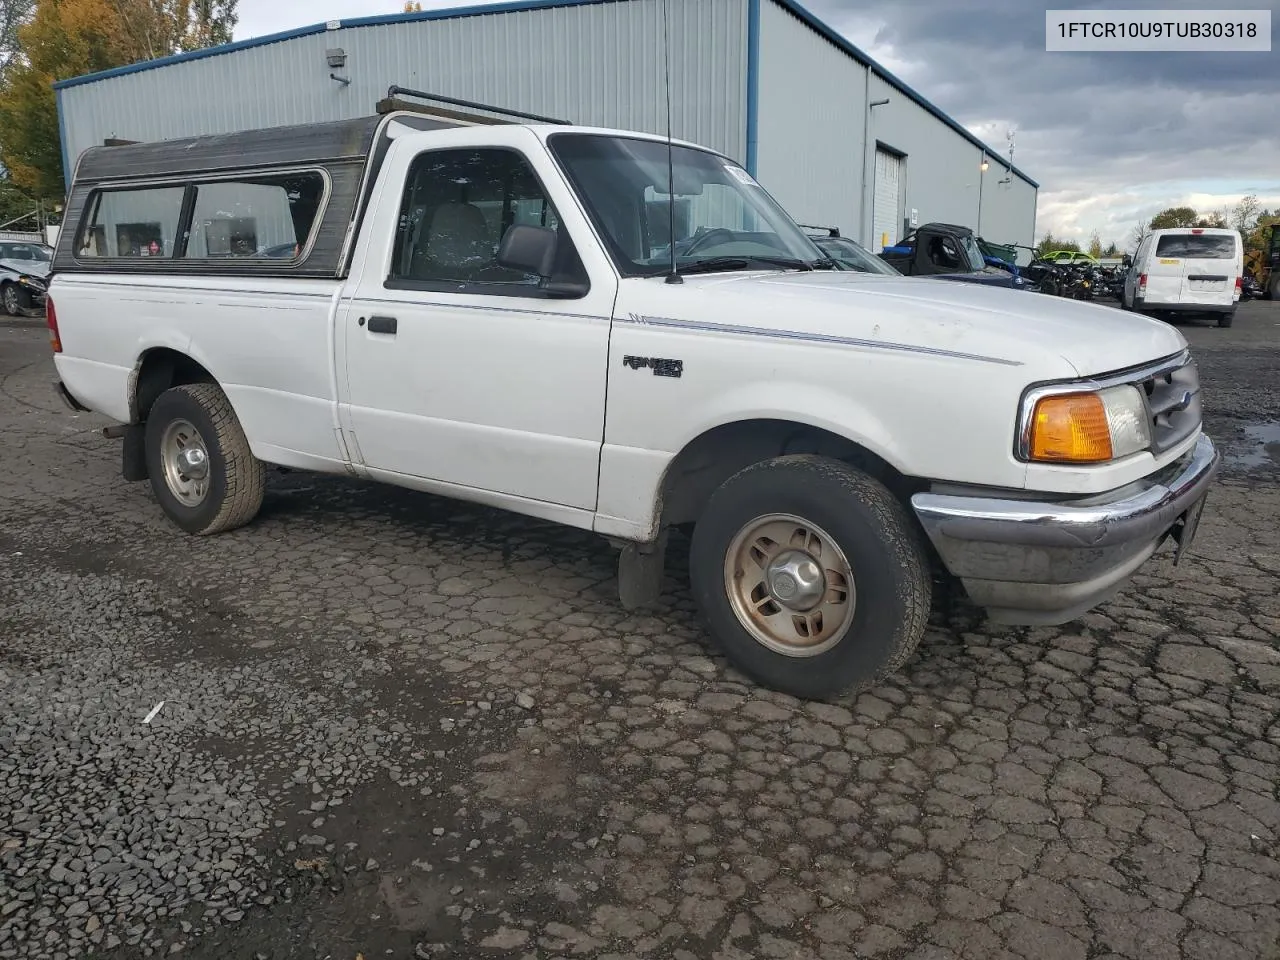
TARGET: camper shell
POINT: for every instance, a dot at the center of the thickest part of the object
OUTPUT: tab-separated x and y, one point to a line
341	157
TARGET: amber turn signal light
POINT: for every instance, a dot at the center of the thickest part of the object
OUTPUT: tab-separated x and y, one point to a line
1071	428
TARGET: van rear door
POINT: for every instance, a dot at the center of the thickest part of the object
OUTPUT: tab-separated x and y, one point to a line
1196	267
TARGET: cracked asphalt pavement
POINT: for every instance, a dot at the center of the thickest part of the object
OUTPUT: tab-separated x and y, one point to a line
376	723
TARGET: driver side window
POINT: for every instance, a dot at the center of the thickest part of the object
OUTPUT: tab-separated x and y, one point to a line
943	252
457	206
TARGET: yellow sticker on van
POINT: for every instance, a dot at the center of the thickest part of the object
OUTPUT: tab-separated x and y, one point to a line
1166	260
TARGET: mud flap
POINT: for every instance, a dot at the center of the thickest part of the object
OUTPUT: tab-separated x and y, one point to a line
133	453
640	571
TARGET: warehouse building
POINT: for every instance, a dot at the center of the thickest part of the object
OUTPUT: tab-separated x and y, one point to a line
836	138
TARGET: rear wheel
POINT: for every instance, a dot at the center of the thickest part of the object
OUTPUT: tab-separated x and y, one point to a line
810	576
201	469
1226	319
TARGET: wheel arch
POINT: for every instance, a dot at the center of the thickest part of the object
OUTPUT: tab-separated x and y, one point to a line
716	454
157	369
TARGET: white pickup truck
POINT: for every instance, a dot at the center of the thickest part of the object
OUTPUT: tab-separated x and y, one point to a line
494	312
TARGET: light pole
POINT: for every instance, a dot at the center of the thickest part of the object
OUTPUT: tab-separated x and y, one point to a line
982	170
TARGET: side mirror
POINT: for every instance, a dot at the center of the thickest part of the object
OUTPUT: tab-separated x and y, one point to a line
528	249
532	249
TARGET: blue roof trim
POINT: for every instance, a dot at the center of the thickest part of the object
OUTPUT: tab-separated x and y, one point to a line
827	32
62	138
753	84
449	13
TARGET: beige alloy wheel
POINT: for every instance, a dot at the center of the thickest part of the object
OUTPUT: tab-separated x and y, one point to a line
186	463
790	585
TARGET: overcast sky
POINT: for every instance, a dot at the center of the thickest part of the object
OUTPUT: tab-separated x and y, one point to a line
1112	138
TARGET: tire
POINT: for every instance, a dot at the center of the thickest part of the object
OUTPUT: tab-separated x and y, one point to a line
858	642
1226	319
11	300
234	480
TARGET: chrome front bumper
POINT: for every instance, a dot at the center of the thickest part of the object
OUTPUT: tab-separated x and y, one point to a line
1035	562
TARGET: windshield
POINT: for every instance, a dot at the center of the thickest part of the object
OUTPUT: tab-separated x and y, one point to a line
851	256
723	218
25	251
973	252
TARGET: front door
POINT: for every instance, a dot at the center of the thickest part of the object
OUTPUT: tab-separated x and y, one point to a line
459	370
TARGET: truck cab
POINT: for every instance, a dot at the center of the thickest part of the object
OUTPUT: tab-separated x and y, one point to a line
949	252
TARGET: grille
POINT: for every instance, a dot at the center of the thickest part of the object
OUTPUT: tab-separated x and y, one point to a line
1173	405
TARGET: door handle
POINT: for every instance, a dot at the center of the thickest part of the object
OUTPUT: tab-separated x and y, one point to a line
382	324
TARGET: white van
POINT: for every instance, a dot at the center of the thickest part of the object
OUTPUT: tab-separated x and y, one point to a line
1187	270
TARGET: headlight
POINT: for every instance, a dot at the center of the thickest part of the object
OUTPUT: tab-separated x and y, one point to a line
34	283
1086	427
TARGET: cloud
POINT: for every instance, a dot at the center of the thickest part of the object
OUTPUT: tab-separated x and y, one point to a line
1112	138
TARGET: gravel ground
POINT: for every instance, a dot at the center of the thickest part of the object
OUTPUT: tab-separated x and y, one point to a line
378	723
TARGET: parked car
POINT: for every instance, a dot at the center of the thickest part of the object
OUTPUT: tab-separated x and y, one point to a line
948	252
489	312
848	254
24	274
1069	257
1187	271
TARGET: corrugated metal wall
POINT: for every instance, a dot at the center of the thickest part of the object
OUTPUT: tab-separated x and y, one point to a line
812	156
599	64
811	102
1008	209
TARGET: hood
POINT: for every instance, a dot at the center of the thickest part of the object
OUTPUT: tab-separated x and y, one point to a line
31	268
1056	336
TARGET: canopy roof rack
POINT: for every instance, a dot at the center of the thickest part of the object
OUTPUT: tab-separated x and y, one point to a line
393	101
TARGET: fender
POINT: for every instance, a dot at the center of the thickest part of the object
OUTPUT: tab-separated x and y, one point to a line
635	479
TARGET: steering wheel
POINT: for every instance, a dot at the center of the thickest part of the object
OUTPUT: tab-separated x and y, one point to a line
703	240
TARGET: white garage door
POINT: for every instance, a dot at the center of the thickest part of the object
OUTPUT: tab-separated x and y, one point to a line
886	205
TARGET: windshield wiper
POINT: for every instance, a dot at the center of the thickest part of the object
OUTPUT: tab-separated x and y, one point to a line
712	264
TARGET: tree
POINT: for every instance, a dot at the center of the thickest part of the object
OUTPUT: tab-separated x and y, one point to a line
1140	233
1095	245
1174	217
1112	250
14	204
13	14
68	38
1049	243
412	6
1244	215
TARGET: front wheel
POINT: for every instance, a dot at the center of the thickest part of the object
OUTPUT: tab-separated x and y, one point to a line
810	576
11	299
199	462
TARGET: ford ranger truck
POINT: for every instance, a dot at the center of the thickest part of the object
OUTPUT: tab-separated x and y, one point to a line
627	335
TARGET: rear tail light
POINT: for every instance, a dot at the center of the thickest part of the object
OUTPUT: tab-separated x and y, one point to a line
1239	287
51	319
1196	233
1142	283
